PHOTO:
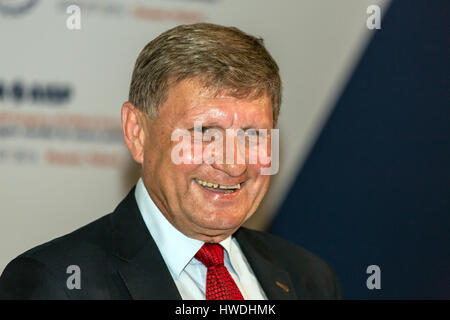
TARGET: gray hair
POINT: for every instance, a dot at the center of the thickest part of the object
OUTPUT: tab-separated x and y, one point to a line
225	59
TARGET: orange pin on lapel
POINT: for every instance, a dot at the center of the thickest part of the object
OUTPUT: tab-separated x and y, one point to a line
282	286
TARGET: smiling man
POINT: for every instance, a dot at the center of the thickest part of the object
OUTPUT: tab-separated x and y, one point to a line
178	234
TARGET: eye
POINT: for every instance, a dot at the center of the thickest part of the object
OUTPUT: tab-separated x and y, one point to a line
205	129
201	129
251	133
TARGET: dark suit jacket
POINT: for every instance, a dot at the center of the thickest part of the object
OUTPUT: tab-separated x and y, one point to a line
119	259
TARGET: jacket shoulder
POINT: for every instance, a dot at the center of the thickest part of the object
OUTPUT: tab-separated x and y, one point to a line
95	236
42	271
316	276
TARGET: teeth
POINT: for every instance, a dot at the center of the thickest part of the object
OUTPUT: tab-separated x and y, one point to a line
238	186
215	185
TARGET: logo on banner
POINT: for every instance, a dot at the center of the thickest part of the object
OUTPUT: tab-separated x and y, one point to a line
16	7
20	92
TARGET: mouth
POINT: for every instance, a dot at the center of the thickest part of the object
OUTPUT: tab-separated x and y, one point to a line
219	188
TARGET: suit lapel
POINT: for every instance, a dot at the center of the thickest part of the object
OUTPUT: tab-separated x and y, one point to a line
141	265
274	280
146	276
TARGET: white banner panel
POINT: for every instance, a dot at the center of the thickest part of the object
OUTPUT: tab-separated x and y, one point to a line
63	80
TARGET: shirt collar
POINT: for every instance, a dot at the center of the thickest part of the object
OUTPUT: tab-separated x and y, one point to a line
176	248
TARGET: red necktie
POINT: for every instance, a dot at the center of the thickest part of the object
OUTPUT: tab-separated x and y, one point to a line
219	283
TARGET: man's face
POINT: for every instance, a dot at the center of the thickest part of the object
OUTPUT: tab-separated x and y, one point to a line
208	214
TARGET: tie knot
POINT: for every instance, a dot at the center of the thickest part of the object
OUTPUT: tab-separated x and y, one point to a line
210	254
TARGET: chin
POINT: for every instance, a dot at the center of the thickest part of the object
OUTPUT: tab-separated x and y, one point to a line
222	221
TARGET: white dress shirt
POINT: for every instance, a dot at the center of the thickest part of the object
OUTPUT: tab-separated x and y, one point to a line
178	252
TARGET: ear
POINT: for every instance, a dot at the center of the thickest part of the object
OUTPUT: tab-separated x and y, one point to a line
133	128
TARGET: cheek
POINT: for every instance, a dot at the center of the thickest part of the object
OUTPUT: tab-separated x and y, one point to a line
160	166
182	170
257	183
254	171
261	155
182	156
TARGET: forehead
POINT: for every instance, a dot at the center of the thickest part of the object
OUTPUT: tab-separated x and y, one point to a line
189	101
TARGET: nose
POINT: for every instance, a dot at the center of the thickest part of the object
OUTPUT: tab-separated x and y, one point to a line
233	170
234	162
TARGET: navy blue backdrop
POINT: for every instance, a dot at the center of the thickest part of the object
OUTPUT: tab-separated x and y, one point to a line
375	188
